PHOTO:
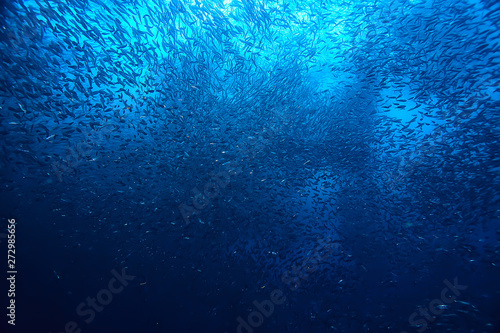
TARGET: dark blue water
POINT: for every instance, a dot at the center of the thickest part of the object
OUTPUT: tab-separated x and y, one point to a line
250	166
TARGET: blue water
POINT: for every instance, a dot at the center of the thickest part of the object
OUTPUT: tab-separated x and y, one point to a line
250	166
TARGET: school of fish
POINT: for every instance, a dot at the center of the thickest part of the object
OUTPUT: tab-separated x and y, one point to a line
265	125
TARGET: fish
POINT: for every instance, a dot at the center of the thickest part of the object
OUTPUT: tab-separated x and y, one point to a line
270	124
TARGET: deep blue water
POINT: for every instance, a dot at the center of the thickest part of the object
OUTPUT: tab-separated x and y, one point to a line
250	166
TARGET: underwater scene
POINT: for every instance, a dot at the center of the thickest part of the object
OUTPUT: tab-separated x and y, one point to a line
250	166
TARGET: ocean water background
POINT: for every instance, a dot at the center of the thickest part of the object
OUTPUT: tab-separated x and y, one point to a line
251	166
